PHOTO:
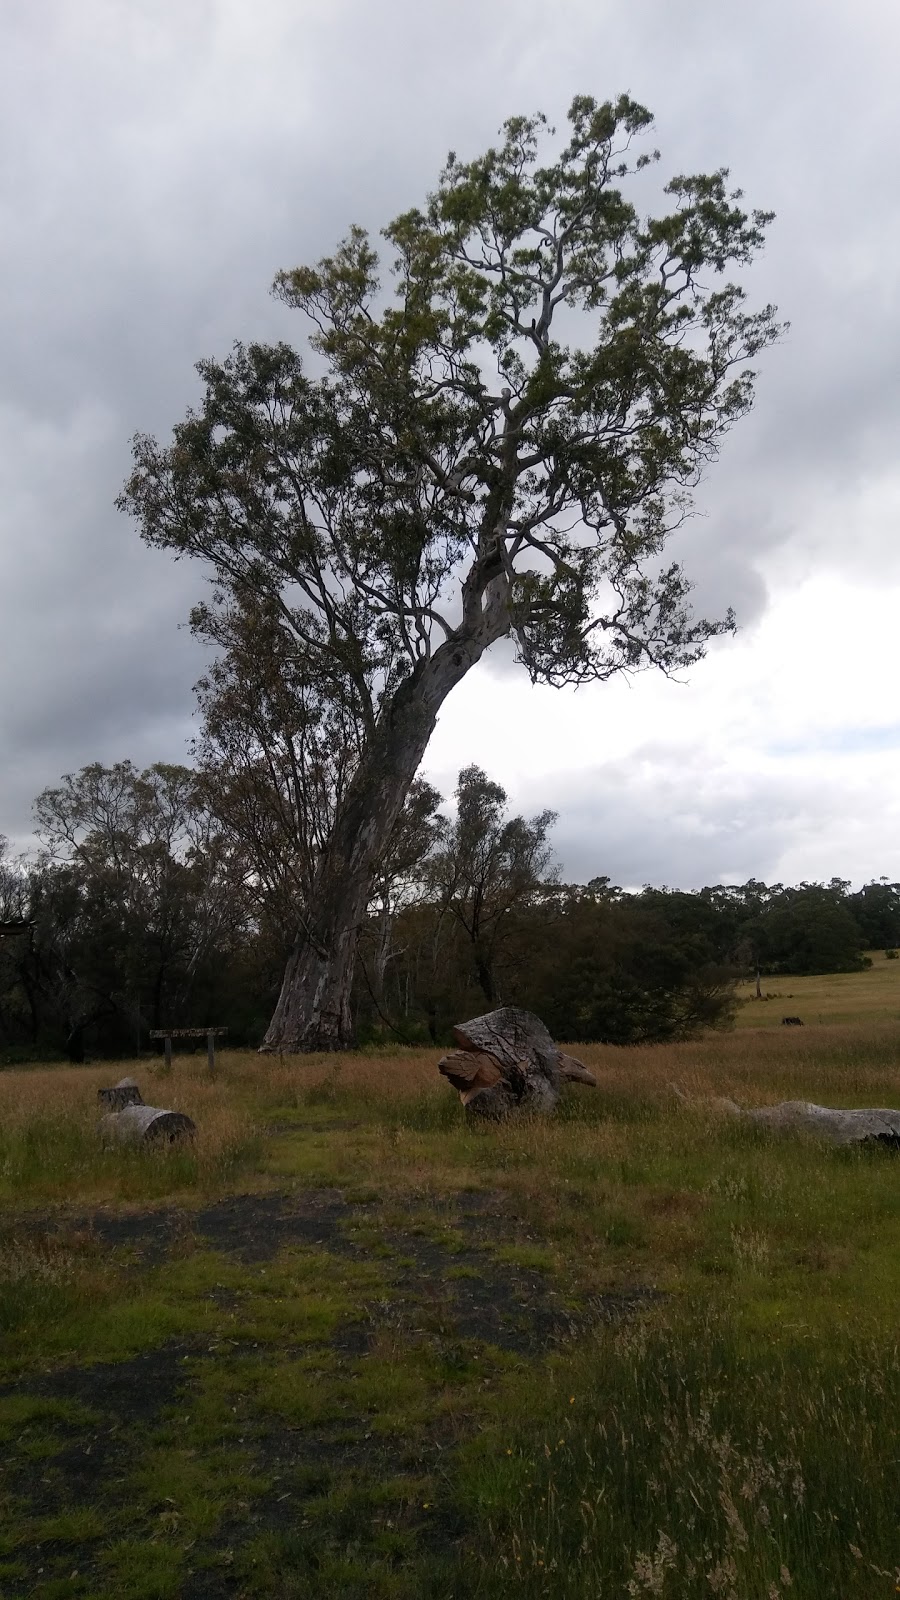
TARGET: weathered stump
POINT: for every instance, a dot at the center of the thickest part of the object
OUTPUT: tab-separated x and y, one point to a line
124	1093
507	1063
147	1125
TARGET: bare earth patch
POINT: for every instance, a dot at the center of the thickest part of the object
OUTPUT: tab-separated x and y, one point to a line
448	1302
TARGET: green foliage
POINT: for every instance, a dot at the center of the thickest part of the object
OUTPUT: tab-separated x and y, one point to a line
134	906
473	463
615	971
160	909
809	929
877	911
813	927
409	456
592	962
139	917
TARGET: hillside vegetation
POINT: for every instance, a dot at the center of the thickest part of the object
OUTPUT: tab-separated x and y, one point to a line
149	906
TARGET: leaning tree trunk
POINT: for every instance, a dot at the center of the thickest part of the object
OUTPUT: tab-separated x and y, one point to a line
313	1010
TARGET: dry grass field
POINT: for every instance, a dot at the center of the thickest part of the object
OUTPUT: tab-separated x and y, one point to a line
346	1346
838	997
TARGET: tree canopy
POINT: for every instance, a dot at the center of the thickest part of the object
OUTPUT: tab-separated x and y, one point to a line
496	437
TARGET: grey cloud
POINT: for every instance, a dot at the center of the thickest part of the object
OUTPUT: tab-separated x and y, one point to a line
163	161
675	816
95	667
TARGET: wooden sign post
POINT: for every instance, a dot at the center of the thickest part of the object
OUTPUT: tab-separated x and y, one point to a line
210	1034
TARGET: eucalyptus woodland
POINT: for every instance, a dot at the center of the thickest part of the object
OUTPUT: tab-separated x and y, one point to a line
498	431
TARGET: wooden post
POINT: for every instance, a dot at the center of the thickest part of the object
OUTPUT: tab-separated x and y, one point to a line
168	1034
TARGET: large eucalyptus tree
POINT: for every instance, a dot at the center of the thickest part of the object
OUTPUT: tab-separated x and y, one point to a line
494	443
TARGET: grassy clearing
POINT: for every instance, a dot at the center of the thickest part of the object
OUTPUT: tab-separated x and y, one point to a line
349	1347
835	997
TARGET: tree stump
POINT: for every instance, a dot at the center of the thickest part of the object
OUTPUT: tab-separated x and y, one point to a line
147	1125
124	1093
507	1063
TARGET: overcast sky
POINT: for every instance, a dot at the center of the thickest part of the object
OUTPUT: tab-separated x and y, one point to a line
161	159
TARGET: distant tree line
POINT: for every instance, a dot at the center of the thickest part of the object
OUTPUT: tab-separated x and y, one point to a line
170	897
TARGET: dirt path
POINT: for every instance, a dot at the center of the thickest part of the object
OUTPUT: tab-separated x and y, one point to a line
447	1297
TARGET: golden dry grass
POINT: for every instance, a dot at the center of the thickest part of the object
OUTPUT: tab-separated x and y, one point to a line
49	1143
394	1103
832	997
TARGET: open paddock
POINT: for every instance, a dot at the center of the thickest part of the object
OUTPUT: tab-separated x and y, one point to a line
345	1345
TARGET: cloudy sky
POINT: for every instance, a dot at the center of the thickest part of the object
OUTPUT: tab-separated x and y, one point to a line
161	159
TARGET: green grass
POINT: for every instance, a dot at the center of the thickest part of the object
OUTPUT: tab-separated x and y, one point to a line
690	1460
316	1415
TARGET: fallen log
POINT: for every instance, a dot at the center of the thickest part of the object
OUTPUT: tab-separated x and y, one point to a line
122	1094
865	1125
508	1063
861	1126
147	1125
575	1070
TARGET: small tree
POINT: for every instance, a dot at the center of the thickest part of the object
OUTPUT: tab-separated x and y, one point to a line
876	908
809	928
487	867
137	888
275	757
501	449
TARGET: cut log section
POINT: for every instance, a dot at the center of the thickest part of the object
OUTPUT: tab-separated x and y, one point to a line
124	1093
147	1125
507	1063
